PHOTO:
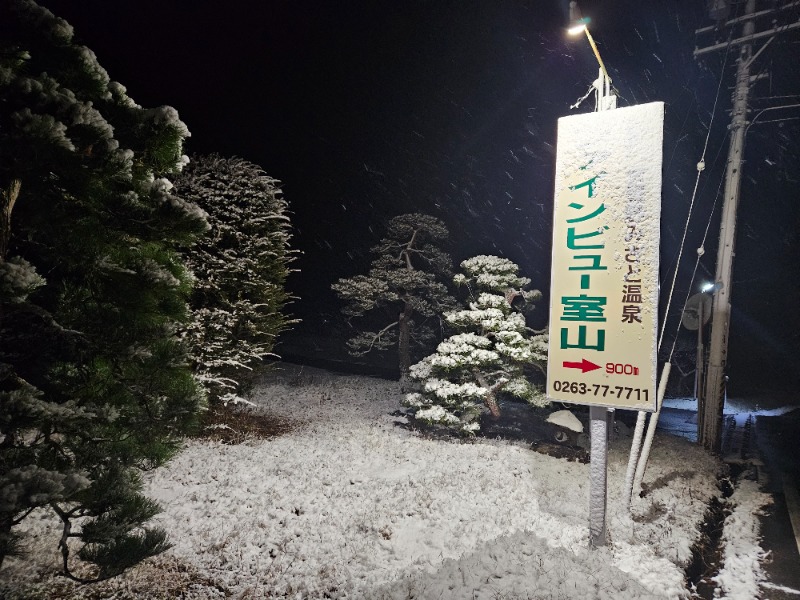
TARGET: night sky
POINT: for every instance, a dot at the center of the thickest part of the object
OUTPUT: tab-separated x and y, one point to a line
370	109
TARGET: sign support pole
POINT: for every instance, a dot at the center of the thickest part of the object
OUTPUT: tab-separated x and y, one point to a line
604	273
604	269
599	417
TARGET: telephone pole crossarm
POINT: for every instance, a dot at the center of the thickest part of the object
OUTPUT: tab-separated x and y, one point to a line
745	39
751	16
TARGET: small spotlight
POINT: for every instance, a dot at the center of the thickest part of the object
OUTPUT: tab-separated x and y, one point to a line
577	29
707	287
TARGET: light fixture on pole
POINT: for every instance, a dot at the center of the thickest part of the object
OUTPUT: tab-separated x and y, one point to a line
606	99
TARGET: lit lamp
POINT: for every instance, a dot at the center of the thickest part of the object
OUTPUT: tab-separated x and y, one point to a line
605	97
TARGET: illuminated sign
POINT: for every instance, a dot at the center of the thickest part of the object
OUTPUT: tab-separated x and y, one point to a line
604	278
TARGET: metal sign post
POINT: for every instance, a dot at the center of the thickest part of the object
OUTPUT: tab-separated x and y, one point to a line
598	474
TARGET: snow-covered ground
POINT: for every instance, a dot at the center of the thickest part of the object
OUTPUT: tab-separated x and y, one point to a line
766	406
349	505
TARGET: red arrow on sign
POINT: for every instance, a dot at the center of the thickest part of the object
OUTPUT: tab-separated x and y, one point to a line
585	365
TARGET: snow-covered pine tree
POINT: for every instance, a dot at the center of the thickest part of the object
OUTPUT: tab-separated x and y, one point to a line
405	285
469	369
240	267
94	383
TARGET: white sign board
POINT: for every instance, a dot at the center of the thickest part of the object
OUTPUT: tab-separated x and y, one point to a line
604	286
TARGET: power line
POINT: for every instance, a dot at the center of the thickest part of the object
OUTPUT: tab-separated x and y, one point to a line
701	165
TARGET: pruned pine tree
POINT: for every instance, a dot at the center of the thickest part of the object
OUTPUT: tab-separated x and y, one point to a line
239	299
487	356
405	285
95	385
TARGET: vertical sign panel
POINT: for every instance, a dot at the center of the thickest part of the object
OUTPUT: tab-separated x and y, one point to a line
604	288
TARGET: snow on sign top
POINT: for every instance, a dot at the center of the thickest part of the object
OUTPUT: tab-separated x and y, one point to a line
604	278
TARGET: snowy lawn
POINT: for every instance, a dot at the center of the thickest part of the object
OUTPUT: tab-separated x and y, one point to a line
348	505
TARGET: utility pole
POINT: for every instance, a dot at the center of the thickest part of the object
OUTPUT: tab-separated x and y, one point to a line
711	433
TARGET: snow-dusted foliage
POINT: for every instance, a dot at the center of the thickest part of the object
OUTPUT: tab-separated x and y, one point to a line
94	383
488	356
404	291
18	279
240	268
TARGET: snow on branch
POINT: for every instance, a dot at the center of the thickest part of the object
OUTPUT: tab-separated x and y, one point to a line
486	358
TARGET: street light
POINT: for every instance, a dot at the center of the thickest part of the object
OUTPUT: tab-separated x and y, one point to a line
605	97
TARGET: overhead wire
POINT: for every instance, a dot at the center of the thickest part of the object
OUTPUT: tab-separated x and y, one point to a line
700	169
700	252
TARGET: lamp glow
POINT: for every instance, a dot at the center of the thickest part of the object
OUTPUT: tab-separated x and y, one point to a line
577	29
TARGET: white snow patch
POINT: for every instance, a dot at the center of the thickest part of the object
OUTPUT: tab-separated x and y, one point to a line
565	418
742	573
